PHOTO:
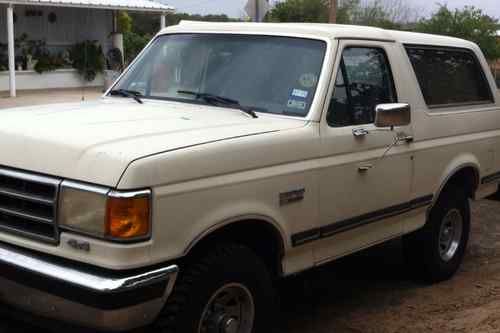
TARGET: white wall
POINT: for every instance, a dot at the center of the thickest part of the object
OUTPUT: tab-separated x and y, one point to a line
61	78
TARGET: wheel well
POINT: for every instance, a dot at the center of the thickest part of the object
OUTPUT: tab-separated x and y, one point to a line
260	236
467	178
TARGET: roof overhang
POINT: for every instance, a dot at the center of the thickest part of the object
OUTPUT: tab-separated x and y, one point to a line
127	5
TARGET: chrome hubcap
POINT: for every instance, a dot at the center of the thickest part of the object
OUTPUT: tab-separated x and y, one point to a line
230	310
450	234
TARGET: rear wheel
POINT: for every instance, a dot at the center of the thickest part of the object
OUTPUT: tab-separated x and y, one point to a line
435	252
226	291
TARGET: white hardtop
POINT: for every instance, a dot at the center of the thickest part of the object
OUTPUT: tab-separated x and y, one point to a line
320	30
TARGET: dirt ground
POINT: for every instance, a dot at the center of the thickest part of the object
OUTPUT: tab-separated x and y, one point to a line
37	97
372	293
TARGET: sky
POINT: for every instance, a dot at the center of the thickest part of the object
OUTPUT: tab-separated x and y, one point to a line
234	8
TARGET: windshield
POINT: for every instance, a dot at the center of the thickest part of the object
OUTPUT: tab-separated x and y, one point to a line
268	74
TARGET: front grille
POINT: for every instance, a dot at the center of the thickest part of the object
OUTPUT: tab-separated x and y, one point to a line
28	205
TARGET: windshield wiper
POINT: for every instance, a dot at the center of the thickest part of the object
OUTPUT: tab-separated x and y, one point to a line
127	93
220	100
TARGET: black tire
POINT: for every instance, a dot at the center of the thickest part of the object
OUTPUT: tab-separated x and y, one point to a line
422	248
197	284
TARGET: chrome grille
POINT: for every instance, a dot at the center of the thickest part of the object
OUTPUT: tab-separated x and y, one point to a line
28	205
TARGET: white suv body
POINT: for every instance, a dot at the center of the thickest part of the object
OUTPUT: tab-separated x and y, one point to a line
297	189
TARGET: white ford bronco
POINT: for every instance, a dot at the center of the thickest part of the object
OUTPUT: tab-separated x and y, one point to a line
229	156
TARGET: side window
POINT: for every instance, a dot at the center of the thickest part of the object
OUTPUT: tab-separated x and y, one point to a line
363	81
449	76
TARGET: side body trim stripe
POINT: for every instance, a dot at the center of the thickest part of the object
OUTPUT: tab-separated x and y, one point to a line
491	178
359	221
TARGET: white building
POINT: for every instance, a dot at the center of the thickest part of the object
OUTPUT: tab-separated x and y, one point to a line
59	24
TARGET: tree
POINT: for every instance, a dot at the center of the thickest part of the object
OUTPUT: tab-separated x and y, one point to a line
124	22
389	14
134	43
468	23
300	11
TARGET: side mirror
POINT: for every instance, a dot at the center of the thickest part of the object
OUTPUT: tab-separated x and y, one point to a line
392	115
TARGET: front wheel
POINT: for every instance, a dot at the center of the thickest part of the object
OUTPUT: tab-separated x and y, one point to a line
436	251
226	291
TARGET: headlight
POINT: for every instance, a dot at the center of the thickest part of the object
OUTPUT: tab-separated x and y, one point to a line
100	212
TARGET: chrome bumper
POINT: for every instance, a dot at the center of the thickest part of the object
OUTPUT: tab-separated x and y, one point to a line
63	291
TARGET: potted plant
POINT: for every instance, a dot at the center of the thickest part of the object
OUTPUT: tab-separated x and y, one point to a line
114	61
87	58
34	51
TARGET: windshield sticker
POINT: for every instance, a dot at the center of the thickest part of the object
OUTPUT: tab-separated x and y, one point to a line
295	104
308	80
300	93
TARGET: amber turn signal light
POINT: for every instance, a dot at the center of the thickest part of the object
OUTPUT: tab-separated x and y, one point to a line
127	218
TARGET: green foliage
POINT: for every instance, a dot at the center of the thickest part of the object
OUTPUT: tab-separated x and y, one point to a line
373	14
124	22
87	59
300	11
389	14
467	23
47	63
36	50
134	43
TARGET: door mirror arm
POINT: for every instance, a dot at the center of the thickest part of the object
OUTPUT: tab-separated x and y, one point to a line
387	117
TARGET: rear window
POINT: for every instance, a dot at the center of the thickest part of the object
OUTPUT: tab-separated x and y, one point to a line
449	77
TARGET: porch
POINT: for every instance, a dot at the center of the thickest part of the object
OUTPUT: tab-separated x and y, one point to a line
40	39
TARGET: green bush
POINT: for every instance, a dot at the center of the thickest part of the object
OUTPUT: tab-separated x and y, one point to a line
124	22
133	44
88	59
47	63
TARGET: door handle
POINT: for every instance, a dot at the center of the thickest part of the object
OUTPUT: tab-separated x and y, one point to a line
404	137
360	132
408	138
364	168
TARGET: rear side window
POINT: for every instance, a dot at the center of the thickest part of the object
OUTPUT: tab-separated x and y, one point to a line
449	77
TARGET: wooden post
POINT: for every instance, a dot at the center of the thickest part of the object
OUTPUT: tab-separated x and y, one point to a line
12	53
333	11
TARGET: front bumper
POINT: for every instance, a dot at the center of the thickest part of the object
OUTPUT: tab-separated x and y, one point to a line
80	294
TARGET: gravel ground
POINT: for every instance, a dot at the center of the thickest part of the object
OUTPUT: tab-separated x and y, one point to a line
371	292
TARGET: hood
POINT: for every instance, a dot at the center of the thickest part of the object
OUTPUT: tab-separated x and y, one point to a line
96	141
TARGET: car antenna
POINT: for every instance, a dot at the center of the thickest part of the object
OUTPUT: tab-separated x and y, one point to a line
85	45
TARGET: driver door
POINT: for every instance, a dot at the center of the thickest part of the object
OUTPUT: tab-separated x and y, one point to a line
364	194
